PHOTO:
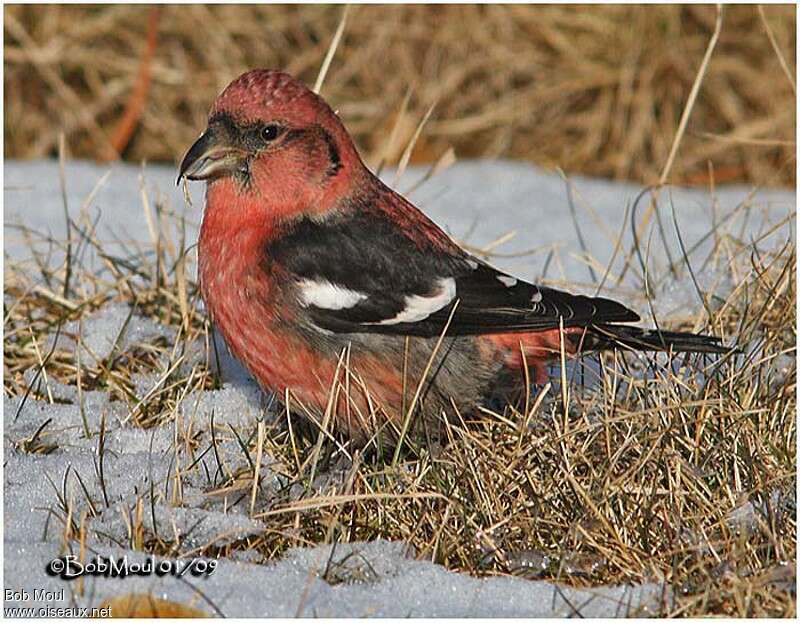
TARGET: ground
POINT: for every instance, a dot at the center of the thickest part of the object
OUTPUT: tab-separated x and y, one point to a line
631	485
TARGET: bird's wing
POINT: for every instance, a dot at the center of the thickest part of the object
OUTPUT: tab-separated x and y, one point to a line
362	273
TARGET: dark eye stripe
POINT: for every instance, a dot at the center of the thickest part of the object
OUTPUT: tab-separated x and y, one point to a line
333	153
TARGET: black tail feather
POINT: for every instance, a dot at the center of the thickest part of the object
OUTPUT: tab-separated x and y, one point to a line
609	336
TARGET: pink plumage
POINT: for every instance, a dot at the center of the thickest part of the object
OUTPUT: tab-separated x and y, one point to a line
329	285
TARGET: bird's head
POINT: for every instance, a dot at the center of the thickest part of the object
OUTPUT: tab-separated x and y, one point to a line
270	137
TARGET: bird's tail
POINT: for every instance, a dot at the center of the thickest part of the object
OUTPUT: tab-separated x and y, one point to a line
609	336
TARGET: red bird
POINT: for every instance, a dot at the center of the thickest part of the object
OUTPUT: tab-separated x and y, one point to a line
326	283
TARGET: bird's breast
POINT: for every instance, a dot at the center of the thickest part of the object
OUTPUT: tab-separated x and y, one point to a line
249	307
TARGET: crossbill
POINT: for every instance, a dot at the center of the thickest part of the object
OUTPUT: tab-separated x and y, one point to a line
328	284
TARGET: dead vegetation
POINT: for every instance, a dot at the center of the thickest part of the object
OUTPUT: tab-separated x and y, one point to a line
638	470
593	90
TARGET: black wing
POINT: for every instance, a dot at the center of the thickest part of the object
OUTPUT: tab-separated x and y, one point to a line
359	273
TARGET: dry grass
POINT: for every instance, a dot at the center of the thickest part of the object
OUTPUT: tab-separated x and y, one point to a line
626	477
153	280
593	90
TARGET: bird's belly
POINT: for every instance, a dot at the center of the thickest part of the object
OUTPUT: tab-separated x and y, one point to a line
246	312
365	383
282	356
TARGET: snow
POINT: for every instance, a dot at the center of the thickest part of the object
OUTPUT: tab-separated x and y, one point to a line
478	203
113	328
377	579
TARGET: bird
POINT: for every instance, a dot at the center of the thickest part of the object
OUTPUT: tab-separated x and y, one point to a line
340	295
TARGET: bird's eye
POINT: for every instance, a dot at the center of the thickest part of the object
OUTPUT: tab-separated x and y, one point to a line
270	132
